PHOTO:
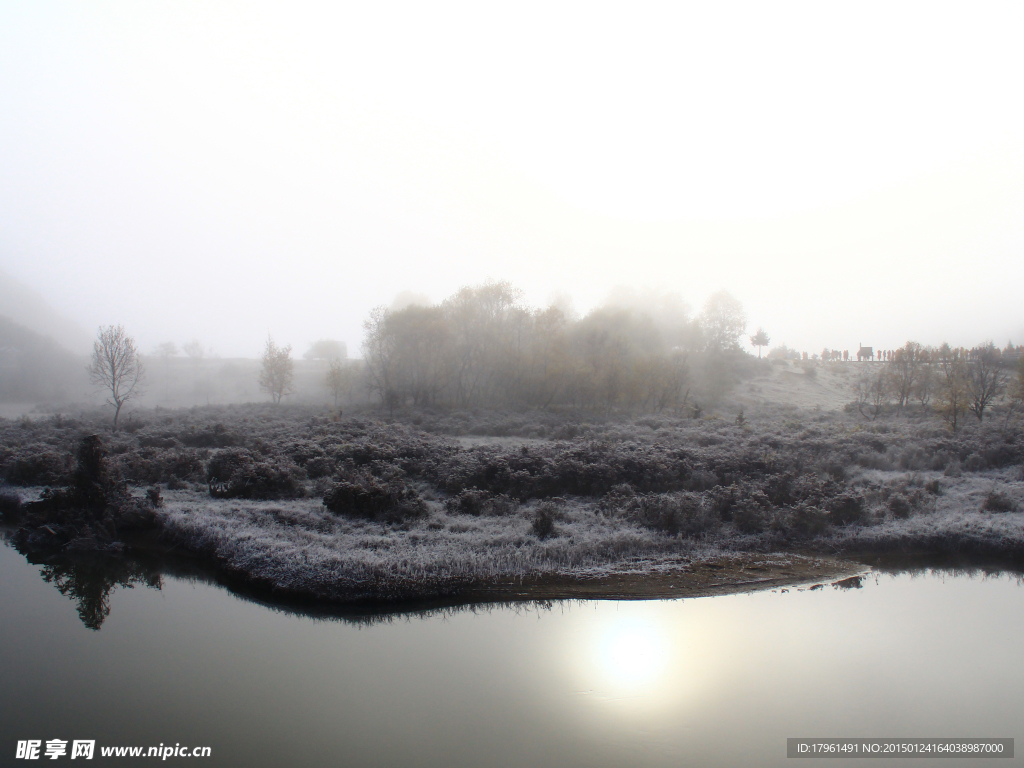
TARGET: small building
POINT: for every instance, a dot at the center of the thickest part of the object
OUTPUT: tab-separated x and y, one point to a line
865	353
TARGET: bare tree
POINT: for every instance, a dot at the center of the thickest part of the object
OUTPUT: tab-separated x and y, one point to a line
905	368
116	366
953	393
278	370
873	393
339	378
422	353
986	379
379	354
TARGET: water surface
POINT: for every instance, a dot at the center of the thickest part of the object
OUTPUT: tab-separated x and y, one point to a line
703	681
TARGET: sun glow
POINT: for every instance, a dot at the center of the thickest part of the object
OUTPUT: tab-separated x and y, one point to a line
633	654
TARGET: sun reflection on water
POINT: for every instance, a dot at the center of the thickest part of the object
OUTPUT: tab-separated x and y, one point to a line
635	663
633	654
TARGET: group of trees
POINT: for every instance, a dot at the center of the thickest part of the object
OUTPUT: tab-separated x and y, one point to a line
483	346
953	381
116	366
277	369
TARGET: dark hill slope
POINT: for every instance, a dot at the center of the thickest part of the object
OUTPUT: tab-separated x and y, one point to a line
27	307
34	368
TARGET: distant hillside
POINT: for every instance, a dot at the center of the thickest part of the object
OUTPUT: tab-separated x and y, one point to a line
35	368
28	308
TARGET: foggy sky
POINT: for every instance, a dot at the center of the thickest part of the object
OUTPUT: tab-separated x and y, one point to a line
851	172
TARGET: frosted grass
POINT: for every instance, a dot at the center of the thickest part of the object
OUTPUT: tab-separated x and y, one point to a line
300	547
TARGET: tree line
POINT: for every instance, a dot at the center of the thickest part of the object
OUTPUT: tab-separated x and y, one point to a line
484	347
954	381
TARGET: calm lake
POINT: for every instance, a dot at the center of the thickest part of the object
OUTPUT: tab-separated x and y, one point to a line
703	681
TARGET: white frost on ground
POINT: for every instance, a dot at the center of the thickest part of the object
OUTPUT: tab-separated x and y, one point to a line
299	546
955	520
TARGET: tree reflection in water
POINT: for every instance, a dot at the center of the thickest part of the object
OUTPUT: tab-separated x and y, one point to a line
89	582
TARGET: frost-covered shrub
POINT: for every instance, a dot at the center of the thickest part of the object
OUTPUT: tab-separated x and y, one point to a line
473	501
875	461
305	452
373	498
319	466
779	489
1000	455
225	463
38	465
749	518
543	523
723	501
617	500
899	505
217	436
157	441
807	521
148	465
701	480
913	458
181	464
846	509
468	502
577	469
998	502
235	473
678	513
673	513
974	463
566	432
834	470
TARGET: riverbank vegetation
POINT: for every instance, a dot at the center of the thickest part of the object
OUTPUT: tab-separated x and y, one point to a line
304	502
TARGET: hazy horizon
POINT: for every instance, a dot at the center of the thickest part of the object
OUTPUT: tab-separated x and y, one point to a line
221	172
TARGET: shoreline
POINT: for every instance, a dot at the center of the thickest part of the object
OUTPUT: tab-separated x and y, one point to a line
663	578
666	578
737	573
699	571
